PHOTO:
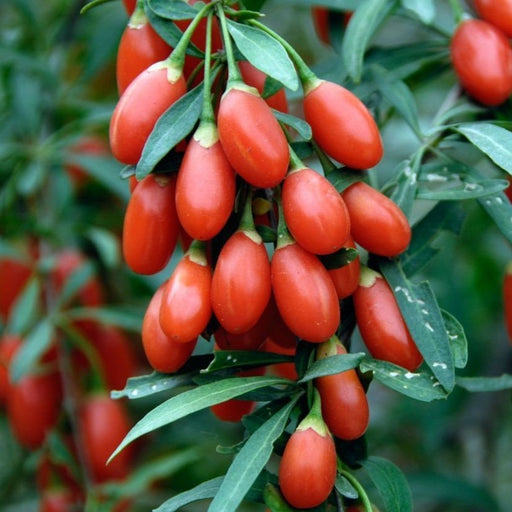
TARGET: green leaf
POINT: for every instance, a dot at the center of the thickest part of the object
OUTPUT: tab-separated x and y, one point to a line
341	179
424	9
445	216
265	53
146	385
224	359
398	94
332	365
128	319
406	186
33	347
202	491
345	488
270	87
423	317
363	25
172	9
419	385
302	128
340	258
494	141
172	126
457	338
195	400
107	245
249	461
25	309
391	484
485	384
499	208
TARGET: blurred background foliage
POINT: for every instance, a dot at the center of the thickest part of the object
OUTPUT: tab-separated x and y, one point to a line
57	76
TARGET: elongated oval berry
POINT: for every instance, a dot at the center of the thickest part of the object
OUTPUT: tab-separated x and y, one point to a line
482	59
344	404
103	424
342	125
140	47
254	77
346	278
314	211
186	307
205	189
304	293
307	470
496	12
163	354
14	275
151	227
507	300
376	222
139	108
252	138
381	323
241	282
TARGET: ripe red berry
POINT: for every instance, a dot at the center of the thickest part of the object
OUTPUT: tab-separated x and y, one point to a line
496	12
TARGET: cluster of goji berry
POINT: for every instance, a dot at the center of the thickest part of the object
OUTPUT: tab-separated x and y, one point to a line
481	53
64	395
239	172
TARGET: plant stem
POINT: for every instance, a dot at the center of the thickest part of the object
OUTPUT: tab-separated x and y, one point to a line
356	485
324	160
284	237
207	114
458	12
234	75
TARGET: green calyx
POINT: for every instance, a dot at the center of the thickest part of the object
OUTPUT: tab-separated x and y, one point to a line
314	418
138	18
206	134
246	225
368	276
328	348
284	237
197	253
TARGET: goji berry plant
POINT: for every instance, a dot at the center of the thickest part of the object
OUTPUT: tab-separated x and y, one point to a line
313	237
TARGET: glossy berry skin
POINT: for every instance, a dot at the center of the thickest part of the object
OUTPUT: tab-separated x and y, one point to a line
377	223
285	370
151	226
204	210
241	285
129	6
314	212
382	326
186	308
163	354
103	424
33	407
304	293
344	404
482	59
496	12
335	114
254	77
346	278
307	471
14	275
139	108
140	47
507	300
252	138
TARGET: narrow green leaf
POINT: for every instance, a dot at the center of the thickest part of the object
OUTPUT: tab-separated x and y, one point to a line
424	9
128	319
457	338
391	484
362	27
341	179
265	53
339	259
25	309
347	5
249	461
423	317
345	488
107	245
332	365
445	216
224	359
398	94
75	282
419	385
302	128
203	491
485	384
194	400
33	347
494	141
172	126
146	385
406	187
172	9
499	208
270	87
